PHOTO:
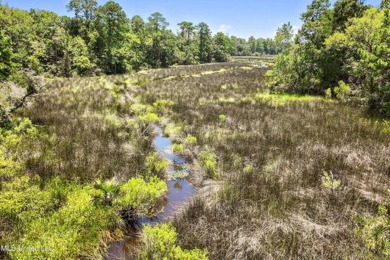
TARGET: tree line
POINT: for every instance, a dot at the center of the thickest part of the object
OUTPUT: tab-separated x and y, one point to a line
341	51
102	39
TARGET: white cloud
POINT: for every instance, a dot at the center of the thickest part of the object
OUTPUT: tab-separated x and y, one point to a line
224	28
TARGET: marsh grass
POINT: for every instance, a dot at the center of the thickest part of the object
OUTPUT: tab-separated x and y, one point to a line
271	154
263	165
75	175
90	135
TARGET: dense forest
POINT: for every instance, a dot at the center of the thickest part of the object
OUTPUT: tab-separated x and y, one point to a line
340	51
100	39
121	139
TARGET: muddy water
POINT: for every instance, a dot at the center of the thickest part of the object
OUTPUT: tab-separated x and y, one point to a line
180	191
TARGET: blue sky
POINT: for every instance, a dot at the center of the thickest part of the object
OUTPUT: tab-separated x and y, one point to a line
241	18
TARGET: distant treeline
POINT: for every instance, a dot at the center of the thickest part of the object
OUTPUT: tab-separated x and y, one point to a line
102	39
342	51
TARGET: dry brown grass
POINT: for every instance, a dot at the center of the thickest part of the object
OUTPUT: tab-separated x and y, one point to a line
89	135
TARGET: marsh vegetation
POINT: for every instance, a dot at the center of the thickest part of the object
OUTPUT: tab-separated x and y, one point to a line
284	175
277	175
111	148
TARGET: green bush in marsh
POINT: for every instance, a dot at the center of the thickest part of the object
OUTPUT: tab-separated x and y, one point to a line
141	195
160	243
178	148
191	139
209	162
373	231
154	165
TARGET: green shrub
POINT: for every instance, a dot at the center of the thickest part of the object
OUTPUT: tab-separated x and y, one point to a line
140	109
191	139
154	165
342	91
74	230
161	105
385	127
160	243
140	195
209	162
222	117
171	129
374	231
178	148
149	118
328	93
329	182
105	192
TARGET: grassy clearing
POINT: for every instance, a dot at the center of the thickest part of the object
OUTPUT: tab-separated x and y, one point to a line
294	172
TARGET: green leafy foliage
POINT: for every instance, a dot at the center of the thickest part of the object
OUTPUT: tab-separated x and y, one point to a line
284	36
337	46
171	129
160	243
373	231
342	91
141	195
329	182
178	148
222	117
209	162
191	139
370	66
149	118
154	165
101	38
162	105
5	56
58	235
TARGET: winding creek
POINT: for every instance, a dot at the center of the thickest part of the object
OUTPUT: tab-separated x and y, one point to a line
180	191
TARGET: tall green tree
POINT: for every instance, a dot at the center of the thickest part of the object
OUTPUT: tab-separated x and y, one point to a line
85	15
138	38
113	26
252	44
43	57
205	43
366	42
18	26
222	47
156	27
188	47
385	4
137	25
187	31
284	36
344	10
5	56
317	23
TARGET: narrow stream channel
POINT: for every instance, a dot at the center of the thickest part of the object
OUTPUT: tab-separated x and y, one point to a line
180	191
